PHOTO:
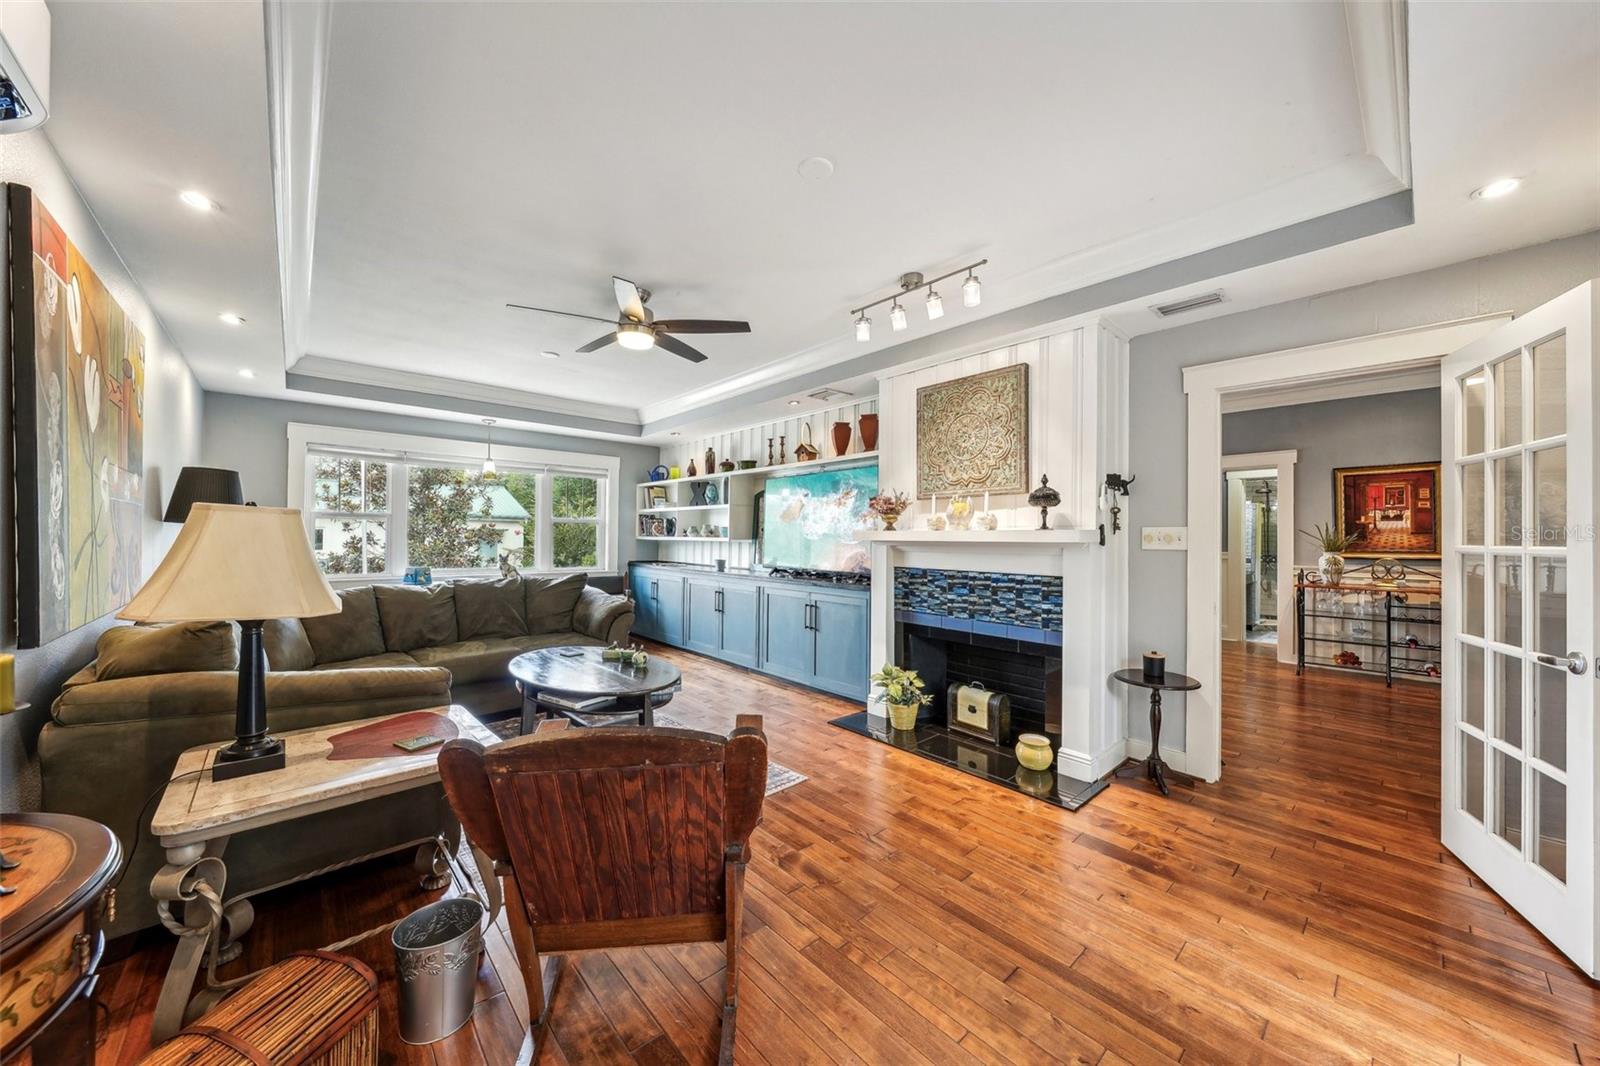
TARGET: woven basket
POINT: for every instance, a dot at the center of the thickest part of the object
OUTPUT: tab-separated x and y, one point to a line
314	1008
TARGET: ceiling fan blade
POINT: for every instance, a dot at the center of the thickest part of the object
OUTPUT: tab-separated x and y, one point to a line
628	301
599	342
702	325
551	311
678	348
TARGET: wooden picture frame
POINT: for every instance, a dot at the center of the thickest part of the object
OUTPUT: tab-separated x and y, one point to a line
1391	510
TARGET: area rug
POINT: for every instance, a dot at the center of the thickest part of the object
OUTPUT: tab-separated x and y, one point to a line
779	777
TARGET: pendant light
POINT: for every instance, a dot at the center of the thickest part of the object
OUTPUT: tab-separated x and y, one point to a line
863	328
897	317
489	471
935	305
971	291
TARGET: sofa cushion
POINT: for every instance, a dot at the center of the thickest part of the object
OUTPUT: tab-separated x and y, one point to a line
187	647
471	661
550	602
288	648
416	617
490	609
554	640
370	662
353	633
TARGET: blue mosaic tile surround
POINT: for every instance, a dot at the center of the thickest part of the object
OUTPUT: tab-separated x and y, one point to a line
1018	606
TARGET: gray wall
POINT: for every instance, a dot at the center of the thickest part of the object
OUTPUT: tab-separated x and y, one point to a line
250	434
1514	281
173	406
1400	427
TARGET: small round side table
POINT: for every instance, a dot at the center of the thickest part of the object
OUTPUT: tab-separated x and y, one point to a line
1154	768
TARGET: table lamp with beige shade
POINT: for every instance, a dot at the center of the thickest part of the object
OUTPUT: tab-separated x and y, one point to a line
239	564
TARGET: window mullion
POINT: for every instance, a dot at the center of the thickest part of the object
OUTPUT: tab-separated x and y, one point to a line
398	556
544	550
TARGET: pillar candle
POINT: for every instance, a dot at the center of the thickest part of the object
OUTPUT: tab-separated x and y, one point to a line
8	683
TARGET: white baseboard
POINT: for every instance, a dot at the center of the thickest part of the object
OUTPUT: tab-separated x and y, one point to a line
1076	764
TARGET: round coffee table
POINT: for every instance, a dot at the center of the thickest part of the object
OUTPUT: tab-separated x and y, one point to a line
577	672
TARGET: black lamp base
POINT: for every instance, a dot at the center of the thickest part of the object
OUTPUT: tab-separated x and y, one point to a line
241	759
252	750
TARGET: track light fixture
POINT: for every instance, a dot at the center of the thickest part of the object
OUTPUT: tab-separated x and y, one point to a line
971	296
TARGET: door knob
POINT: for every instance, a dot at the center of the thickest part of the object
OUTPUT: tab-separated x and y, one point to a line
1574	662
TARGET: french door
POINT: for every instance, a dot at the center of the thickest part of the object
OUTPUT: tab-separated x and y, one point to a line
1519	740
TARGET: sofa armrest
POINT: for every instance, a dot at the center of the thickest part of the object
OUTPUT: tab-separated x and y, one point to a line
603	616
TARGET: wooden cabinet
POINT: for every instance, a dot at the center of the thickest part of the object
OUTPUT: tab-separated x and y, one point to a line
810	634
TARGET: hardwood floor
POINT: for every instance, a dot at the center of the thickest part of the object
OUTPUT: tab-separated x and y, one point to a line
1301	910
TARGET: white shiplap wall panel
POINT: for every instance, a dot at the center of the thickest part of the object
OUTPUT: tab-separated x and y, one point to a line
750	442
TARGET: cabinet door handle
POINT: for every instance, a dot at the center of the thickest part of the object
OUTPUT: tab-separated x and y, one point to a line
655	590
719	601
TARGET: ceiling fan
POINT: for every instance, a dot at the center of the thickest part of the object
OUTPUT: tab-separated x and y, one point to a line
637	327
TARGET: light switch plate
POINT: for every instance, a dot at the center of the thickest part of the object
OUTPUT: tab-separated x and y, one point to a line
1164	538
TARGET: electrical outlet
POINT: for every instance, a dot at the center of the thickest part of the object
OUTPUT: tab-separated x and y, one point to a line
1164	538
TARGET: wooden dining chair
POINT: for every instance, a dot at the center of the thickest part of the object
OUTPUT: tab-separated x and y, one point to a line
614	838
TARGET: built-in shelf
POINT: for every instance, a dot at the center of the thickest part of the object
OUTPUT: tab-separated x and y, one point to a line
696	540
851	459
685	507
1041	537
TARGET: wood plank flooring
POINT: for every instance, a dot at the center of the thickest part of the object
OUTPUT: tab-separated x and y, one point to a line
1302	910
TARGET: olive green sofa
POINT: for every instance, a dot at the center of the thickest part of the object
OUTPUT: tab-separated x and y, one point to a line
120	723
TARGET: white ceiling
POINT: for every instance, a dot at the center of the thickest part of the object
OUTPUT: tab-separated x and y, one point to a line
478	153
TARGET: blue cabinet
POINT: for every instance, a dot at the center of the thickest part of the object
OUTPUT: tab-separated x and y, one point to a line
657	605
812	635
722	620
787	647
841	629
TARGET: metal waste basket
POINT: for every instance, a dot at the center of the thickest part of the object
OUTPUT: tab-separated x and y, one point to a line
436	954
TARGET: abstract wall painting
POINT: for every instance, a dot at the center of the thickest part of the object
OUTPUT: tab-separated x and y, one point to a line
78	374
972	434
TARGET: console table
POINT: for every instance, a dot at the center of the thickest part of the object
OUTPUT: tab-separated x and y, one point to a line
328	766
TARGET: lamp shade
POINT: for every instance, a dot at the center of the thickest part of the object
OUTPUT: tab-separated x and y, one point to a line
231	563
202	484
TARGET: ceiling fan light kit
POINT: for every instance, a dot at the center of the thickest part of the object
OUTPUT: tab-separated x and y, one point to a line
638	329
971	296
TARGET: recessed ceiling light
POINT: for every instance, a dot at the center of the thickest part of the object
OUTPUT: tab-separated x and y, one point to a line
1497	188
230	318
794	403
674	433
246	372
551	355
816	168
197	200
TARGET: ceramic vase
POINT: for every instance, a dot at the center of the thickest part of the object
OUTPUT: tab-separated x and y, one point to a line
841	438
1332	566
1033	751
869	432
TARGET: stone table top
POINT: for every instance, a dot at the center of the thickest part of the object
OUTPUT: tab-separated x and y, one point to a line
327	766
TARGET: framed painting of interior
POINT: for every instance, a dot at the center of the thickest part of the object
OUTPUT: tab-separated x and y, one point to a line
1388	510
78	378
972	434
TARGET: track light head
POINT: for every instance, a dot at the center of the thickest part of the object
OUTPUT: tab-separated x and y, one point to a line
971	291
935	305
897	316
863	328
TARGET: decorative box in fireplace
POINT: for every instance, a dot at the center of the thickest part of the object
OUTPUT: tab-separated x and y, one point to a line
976	711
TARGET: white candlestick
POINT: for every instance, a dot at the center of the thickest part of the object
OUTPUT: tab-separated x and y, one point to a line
986	499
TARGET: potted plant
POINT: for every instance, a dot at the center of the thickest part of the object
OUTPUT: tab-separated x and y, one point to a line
1332	544
889	507
902	691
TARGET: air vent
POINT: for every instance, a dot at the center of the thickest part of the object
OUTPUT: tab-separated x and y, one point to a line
825	395
1193	303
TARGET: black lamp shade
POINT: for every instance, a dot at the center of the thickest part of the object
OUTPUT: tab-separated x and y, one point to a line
202	484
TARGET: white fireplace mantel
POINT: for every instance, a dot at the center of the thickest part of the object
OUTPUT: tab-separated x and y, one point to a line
1050	539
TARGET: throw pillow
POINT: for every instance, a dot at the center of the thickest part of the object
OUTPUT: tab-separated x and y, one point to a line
186	647
288	647
414	616
353	633
551	601
489	609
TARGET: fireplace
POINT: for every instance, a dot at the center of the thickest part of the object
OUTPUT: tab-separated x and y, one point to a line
1001	631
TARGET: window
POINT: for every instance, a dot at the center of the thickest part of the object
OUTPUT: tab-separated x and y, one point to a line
379	503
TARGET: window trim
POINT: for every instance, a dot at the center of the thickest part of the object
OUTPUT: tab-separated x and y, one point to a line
403	448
